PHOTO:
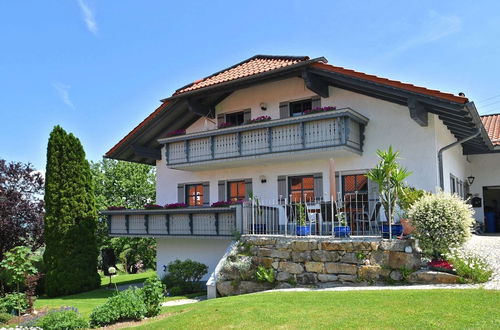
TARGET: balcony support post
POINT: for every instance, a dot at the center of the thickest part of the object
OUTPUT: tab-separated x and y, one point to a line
146	223
216	223
191	223
167	223
109	224
127	224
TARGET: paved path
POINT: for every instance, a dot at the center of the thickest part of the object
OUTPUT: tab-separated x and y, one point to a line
488	247
183	301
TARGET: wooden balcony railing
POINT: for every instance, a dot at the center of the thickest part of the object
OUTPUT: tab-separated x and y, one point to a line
207	221
338	129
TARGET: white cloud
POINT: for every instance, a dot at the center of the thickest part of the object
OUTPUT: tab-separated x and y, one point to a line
63	91
88	17
435	27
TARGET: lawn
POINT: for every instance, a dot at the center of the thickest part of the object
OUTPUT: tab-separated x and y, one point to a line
410	309
86	301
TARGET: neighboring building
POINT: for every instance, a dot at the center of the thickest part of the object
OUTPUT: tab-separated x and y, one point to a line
288	157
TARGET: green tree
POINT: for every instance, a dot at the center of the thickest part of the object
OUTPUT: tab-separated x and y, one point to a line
120	183
70	220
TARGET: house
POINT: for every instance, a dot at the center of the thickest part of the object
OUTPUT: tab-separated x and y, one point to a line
270	127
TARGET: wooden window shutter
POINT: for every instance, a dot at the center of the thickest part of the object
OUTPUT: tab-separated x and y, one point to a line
284	109
181	195
248	188
318	186
247	115
220	119
315	102
206	193
222	190
282	188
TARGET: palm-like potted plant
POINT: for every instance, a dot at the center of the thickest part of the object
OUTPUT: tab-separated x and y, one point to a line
302	227
390	177
342	230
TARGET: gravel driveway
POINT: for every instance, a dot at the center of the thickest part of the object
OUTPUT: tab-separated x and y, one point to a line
489	247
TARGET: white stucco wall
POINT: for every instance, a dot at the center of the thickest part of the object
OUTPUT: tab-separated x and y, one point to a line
486	171
390	124
207	251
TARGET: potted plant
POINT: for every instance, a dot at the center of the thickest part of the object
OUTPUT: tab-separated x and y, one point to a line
342	230
302	227
405	202
390	177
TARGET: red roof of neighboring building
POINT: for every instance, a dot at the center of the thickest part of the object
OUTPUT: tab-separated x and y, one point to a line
392	83
252	66
492	125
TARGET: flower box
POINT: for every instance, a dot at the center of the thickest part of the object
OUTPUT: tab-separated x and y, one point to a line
116	208
225	125
318	110
152	206
175	206
176	133
260	119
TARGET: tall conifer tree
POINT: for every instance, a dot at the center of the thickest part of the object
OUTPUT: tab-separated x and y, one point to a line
70	218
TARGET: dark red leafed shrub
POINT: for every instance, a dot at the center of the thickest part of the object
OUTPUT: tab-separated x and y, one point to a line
175	206
152	206
115	208
318	110
176	133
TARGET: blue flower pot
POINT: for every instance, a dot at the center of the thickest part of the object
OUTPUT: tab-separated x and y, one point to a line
303	230
342	231
397	230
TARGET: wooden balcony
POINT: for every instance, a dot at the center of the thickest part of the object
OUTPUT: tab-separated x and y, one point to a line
341	129
206	221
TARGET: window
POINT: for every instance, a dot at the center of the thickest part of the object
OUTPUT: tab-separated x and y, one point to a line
301	188
353	183
236	191
235	118
453	187
298	108
194	194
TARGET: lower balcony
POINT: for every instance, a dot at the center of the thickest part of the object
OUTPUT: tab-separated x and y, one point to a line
339	130
210	221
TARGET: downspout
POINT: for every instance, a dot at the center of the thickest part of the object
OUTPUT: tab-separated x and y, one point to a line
449	146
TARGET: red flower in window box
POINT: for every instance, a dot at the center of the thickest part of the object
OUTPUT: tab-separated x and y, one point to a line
116	208
318	110
260	119
175	206
176	133
225	125
152	206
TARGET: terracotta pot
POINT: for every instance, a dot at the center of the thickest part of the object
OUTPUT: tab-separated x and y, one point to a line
407	227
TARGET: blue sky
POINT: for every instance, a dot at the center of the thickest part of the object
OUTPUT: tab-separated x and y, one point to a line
100	67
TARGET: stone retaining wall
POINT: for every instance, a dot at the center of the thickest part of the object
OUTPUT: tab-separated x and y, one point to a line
317	262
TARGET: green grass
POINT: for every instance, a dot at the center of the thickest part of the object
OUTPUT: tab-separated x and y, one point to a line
87	301
404	309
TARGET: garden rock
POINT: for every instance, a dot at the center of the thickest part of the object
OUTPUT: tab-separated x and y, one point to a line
369	272
402	259
315	267
327	278
291	267
230	288
282	276
340	268
301	256
321	255
307	278
301	245
433	277
396	275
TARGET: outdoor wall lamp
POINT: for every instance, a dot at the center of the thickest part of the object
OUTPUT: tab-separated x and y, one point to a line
470	180
263	106
263	179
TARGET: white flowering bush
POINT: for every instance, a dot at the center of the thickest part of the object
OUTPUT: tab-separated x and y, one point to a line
442	222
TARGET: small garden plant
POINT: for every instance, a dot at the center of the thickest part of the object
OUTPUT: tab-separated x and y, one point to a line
471	267
264	274
184	276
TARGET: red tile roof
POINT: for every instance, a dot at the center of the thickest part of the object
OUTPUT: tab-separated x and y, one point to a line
392	83
137	128
492	125
252	66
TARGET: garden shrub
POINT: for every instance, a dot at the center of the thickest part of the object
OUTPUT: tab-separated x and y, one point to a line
240	266
14	302
442	222
126	305
64	318
471	267
152	295
185	274
5	317
264	274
